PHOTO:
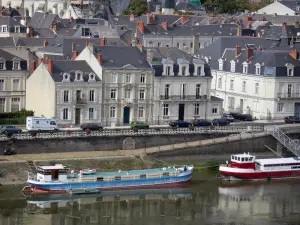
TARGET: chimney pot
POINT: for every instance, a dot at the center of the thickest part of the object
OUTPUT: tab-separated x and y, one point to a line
100	58
249	53
45	43
75	54
103	41
150	19
184	19
238	50
33	66
141	26
50	65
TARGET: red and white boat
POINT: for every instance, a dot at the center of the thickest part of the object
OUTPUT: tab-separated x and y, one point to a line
247	167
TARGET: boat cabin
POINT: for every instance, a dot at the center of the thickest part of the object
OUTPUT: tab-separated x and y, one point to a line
245	161
52	173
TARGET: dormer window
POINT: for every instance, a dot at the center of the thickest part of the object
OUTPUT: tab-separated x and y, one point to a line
78	76
2	65
66	77
232	66
221	62
290	70
168	70
4	29
92	77
167	67
257	69
245	67
16	65
17	29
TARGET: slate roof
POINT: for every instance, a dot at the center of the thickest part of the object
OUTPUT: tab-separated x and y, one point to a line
291	4
66	66
117	57
273	63
42	20
280	32
7	41
71	23
9	58
275	20
7	20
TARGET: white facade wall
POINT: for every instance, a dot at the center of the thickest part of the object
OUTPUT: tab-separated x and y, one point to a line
262	104
277	8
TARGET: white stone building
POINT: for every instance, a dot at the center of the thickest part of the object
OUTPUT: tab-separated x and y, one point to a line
289	8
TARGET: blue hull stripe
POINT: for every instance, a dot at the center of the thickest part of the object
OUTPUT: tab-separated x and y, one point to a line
112	184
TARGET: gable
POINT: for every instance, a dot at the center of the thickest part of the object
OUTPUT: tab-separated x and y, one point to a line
129	67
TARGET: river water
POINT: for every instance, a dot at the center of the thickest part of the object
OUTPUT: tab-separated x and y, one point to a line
205	201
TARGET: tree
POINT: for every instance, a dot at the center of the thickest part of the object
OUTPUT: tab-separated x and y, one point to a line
138	7
226	6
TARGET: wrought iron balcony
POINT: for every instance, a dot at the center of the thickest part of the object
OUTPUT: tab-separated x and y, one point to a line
288	95
80	101
183	97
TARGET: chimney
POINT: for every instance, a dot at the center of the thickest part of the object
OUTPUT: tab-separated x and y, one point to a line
131	17
50	65
40	60
150	19
32	66
184	19
238	50
165	25
103	41
3	12
195	44
45	43
294	54
100	59
239	31
75	54
141	26
283	24
249	53
248	18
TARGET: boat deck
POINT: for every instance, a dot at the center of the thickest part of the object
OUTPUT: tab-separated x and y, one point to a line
131	172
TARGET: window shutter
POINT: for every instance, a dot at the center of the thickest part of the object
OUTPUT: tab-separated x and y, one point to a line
87	113
69	113
62	96
62	114
70	94
95	113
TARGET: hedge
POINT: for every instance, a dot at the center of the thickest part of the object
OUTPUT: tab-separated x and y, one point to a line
16	115
16	121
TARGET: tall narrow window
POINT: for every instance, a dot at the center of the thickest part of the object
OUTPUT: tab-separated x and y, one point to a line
128	78
66	96
16	84
220	82
142	94
198	89
199	70
168	70
166	110
182	91
114	78
279	107
256	88
289	90
141	112
2	65
91	113
16	65
113	93
167	89
244	86
183	68
112	113
1	84
231	87
2	105
127	94
143	78
197	109
65	114
92	95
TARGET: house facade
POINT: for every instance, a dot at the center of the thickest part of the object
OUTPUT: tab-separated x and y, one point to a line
72	89
13	73
181	87
259	82
127	91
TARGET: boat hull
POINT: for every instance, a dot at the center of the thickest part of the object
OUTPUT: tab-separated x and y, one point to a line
240	174
41	187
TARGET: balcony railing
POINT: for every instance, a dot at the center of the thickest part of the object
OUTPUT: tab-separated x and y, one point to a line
81	101
288	95
183	97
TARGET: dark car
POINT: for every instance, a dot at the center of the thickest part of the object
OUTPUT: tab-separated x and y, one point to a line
180	123
202	123
91	127
228	117
10	130
292	119
243	117
220	122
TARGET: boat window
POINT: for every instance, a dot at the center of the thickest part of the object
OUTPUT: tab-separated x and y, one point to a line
251	158
166	174
143	176
99	178
238	159
232	157
243	159
246	159
117	178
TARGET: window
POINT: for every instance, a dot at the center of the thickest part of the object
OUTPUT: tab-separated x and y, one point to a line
143	78
128	78
257	69
231	85
114	78
167	88
65	114
66	77
199	70
16	65
92	95
166	110
4	29
91	76
191	45
289	90
17	29
220	82
113	93
1	84
178	45
2	105
112	112
220	64
232	66
198	89
142	94
244	86
78	76
127	93
16	84
256	88
215	109
196	110
141	112
15	104
279	107
245	68
168	70
231	102
91	113
290	72
183	68
2	65
182	91
66	96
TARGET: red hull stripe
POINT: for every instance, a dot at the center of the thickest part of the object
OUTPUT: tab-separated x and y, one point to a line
263	175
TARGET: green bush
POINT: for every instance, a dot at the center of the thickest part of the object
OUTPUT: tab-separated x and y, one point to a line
15	121
16	115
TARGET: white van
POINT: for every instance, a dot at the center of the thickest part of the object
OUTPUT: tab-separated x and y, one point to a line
34	123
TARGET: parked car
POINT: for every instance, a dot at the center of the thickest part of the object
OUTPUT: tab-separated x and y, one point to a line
243	117
10	130
91	127
220	122
180	123
201	123
228	117
292	119
139	125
